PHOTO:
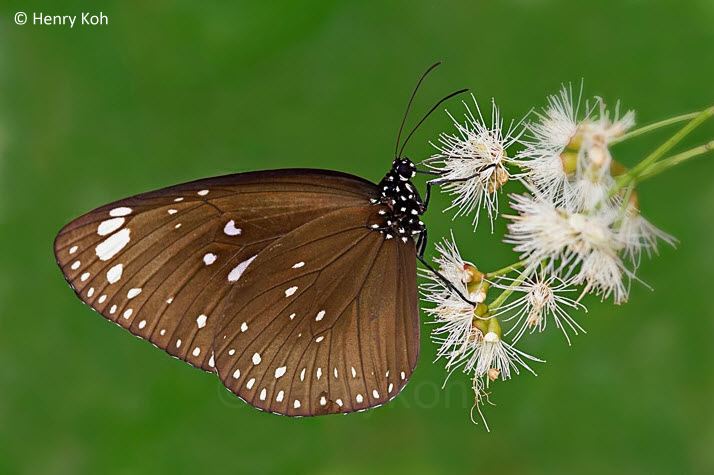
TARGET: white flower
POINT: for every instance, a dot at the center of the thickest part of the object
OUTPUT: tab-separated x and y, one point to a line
490	356
547	139
567	157
471	163
639	235
452	315
604	127
543	297
580	245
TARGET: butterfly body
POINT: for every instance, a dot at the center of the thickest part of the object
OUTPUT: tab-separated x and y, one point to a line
403	200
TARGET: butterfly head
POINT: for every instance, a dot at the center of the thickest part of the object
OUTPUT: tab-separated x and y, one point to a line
404	168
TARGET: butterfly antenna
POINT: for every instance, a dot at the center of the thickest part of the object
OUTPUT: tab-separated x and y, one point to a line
406	140
409	104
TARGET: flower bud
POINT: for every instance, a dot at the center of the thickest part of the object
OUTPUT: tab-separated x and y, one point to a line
497	179
493	374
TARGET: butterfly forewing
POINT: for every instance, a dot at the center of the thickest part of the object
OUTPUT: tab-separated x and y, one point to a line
324	321
160	263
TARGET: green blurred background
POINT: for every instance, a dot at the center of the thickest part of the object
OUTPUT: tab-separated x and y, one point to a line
172	91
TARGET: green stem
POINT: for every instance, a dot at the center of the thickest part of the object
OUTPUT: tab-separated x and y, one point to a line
630	176
667	163
501	299
650	127
505	270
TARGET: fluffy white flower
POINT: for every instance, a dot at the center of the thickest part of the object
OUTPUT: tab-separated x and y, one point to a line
490	356
543	298
472	163
566	157
461	342
451	314
546	139
639	235
570	244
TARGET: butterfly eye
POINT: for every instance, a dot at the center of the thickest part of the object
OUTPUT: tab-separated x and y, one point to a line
405	169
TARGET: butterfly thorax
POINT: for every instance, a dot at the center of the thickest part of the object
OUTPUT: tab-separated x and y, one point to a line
404	205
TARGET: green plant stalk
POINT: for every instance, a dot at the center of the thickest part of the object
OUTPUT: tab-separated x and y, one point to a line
638	169
503	296
505	270
669	162
652	127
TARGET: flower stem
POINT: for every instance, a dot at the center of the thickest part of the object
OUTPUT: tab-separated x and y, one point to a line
503	296
505	270
657	125
667	163
634	173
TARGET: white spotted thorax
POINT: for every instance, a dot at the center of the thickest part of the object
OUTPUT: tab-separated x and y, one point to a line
405	206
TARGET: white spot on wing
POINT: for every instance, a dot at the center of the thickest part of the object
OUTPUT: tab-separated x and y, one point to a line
375	394
256	358
263	394
75	265
319	339
250	384
202	193
298	265
201	321
173	211
73	249
142	324
102	298
196	351
128	312
296	404
209	258
243	327
121	211
359	398
279	372
230	228
280	395
238	270
133	293
109	226
236	374
113	244
302	375
114	274
84	276
323	401
320	315
290	291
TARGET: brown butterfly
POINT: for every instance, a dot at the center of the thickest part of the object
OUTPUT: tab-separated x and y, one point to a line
297	287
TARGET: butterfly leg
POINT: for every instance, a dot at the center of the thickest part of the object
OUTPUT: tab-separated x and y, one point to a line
444	280
421	242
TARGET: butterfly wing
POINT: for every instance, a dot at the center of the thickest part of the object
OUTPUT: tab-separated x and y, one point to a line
324	321
159	263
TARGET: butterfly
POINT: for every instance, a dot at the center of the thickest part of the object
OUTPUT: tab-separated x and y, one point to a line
296	286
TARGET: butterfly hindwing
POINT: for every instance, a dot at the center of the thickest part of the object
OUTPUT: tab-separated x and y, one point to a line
324	321
160	263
